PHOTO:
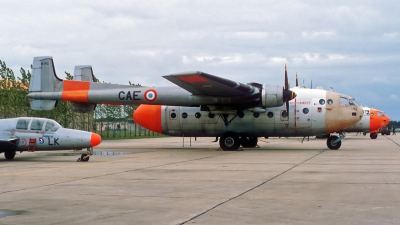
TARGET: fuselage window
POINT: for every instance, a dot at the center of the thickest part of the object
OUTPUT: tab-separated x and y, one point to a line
197	115
173	115
270	114
322	101
330	101
305	110
184	115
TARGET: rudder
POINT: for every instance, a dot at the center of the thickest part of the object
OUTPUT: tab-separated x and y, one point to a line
44	79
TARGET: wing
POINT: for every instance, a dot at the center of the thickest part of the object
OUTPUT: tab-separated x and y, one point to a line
199	83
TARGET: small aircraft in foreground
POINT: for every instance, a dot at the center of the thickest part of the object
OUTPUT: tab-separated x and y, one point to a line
372	121
204	105
38	134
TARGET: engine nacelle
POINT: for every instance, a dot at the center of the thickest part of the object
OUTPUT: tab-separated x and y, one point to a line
272	95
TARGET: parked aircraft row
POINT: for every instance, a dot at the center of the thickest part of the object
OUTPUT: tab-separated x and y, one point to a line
205	105
201	105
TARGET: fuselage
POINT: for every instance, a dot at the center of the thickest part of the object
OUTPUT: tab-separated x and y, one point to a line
39	134
312	112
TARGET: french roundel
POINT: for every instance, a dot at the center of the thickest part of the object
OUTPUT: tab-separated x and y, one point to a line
150	95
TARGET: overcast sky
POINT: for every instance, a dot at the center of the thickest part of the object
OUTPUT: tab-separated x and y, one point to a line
351	46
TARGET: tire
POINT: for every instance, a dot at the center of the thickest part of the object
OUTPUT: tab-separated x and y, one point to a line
84	158
229	141
248	142
373	136
331	145
9	155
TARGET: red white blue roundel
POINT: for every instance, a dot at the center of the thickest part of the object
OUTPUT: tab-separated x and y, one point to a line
150	95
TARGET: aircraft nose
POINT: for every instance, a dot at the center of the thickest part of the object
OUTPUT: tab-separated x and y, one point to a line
149	117
386	120
95	139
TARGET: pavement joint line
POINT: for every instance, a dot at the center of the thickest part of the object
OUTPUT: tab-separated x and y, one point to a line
253	188
392	140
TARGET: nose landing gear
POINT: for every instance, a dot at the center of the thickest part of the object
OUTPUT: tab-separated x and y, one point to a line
85	157
334	142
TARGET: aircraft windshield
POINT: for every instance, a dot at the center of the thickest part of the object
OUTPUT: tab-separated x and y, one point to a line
52	126
352	101
345	101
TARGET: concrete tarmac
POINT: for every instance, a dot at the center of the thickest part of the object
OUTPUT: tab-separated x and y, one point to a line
158	181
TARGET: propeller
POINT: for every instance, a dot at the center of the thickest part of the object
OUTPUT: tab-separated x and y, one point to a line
288	94
297	81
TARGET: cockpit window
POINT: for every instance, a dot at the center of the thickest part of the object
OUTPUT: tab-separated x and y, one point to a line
37	124
51	126
22	124
352	101
345	101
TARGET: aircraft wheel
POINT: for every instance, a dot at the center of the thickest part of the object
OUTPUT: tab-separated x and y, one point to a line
331	144
84	158
229	141
249	142
9	155
373	136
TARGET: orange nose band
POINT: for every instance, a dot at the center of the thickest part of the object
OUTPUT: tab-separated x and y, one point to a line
95	139
149	117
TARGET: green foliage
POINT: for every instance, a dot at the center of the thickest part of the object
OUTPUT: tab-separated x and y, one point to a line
394	123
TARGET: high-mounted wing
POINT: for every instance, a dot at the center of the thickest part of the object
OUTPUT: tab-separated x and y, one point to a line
199	83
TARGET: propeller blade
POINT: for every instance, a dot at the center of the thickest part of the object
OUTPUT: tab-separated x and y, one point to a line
288	94
297	81
286	80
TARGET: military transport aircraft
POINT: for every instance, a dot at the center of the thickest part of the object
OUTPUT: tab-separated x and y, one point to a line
205	105
372	121
39	134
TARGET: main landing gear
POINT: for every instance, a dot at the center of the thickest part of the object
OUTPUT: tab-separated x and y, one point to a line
9	155
85	157
230	140
334	142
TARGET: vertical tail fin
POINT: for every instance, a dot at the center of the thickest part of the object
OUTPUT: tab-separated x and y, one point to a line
44	79
83	73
